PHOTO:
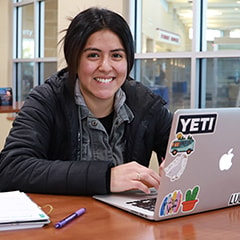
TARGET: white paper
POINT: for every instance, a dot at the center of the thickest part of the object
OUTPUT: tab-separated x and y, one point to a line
18	210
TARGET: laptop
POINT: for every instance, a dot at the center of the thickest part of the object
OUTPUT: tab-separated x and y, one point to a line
201	170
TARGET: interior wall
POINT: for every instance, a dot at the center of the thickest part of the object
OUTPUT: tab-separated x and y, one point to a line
5	60
5	42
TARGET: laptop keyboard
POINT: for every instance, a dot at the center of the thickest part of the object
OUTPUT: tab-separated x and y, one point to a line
148	204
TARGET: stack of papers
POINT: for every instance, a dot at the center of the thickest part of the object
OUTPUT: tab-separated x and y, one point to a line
18	211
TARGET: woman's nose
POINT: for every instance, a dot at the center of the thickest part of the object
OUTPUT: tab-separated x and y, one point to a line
105	65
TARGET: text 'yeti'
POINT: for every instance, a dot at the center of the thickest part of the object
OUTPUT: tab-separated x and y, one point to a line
194	124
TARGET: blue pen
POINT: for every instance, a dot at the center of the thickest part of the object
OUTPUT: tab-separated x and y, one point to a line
69	218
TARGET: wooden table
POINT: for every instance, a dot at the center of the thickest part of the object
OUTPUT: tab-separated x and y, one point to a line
11	109
105	222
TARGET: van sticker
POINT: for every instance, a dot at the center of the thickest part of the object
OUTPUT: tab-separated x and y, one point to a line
182	144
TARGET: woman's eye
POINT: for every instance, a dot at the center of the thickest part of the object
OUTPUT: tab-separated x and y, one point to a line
117	55
93	55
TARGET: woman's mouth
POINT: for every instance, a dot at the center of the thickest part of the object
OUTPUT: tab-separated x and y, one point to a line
104	80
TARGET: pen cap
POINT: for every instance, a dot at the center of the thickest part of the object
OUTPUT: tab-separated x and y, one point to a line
80	211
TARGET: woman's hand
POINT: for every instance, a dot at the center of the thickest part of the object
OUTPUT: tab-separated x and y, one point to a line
131	176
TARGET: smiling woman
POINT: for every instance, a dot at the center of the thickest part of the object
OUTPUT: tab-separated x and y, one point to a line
79	31
89	129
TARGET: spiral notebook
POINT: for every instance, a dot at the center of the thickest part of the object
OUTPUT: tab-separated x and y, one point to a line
18	211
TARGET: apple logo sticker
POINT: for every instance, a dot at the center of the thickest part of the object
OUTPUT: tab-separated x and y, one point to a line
225	161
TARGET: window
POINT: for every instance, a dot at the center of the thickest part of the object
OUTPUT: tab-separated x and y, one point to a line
195	45
35	44
168	77
166	25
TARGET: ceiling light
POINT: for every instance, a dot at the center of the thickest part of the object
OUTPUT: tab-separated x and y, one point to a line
212	12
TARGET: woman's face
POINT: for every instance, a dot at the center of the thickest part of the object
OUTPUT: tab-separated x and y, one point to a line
102	67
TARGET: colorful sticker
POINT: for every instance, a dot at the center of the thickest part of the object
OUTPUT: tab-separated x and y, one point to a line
172	202
190	199
182	144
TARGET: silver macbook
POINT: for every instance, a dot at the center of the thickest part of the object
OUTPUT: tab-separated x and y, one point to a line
201	170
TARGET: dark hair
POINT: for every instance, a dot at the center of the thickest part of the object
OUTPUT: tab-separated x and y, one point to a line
88	22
